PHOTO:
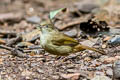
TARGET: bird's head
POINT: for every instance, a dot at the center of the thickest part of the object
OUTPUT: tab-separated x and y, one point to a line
45	27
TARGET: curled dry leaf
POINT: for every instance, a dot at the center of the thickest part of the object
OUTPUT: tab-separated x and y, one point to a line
53	13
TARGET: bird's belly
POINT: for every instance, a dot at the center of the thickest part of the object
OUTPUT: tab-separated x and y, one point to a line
58	50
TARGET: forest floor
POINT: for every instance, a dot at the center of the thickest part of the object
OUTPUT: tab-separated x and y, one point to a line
91	22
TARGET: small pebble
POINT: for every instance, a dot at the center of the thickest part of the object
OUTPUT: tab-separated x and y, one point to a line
71	33
116	69
104	46
109	72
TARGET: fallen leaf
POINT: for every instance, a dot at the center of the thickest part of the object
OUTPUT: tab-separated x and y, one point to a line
107	38
2	41
101	78
53	13
71	76
1	61
110	60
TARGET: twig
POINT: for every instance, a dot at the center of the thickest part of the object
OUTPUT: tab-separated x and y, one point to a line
74	22
8	33
14	40
34	47
113	77
15	51
5	47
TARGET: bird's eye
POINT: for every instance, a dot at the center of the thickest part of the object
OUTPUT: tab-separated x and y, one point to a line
46	26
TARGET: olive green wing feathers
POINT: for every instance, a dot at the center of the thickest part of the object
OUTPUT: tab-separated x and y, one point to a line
63	39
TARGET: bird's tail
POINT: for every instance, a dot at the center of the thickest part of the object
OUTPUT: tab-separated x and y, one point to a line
83	47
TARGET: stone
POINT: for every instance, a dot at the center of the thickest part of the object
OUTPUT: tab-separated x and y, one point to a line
71	33
34	19
109	72
116	69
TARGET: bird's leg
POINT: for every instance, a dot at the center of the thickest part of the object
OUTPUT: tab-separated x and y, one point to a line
60	58
57	57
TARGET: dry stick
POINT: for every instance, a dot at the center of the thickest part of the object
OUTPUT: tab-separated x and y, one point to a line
8	33
5	47
14	40
14	51
18	52
75	22
113	77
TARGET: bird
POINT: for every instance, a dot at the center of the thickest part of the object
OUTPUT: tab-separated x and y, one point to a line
57	43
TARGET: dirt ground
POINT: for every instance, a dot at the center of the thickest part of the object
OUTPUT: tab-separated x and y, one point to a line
20	17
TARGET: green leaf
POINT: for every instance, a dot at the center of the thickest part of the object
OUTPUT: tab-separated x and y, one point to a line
53	13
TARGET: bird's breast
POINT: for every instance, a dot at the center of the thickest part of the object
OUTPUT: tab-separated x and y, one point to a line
44	39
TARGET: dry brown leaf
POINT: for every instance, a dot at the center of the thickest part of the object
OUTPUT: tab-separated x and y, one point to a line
1	61
70	76
29	36
2	41
107	38
110	60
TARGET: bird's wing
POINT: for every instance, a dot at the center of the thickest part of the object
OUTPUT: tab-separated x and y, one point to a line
63	39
